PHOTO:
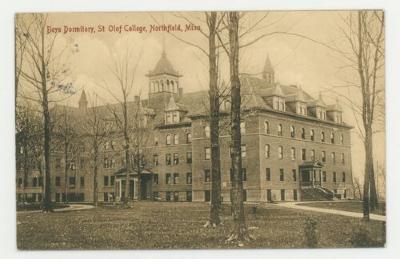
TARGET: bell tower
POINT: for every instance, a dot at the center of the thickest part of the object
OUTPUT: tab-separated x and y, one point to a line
163	83
268	73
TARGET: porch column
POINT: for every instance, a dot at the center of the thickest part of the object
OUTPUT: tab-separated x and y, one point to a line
135	194
120	188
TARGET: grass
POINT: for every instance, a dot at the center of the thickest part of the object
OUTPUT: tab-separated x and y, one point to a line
353	206
38	206
162	225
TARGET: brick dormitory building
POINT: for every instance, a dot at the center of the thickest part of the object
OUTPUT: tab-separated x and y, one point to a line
294	147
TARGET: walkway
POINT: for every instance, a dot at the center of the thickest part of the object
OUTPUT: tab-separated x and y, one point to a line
71	207
295	205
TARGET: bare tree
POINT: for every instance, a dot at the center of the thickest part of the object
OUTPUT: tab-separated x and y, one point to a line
96	130
357	187
364	56
44	73
240	232
123	70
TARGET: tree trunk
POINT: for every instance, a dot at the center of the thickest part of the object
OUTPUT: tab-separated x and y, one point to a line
139	182
367	174
214	125
66	172
239	232
95	184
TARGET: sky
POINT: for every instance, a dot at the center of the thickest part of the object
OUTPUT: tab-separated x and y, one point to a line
296	60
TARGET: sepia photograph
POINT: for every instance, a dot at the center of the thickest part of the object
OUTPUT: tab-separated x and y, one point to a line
200	130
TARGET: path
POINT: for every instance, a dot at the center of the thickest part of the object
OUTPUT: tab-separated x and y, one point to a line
71	207
294	205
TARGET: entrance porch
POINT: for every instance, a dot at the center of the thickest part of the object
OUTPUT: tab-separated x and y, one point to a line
135	193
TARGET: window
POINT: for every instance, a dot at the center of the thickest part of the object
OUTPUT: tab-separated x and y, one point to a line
334	177
267	151
323	156
176	158
189	137
280	152
281	175
155	141
107	145
244	174
269	195
167	196
189	157
266	127
322	136
303	133
280	132
176	139
292	132
207	196
207	131
295	195
332	138
155	160
268	174
168	140
207	152
58	163
168	159
243	151
112	179
343	177
293	153
324	176
82	163
282	194
333	156
303	154
34	182
312	155
188	178
244	193
189	196
342	158
72	180
312	135
106	180
207	175
242	127
168	178
82	181
341	139
176	178
155	178
58	181
294	173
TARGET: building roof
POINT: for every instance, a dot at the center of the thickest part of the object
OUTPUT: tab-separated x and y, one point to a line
163	66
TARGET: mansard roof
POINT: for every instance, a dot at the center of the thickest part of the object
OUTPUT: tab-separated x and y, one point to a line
163	66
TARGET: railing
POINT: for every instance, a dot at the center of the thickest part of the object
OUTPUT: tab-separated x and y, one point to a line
310	183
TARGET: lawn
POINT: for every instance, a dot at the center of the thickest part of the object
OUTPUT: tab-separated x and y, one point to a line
162	225
353	206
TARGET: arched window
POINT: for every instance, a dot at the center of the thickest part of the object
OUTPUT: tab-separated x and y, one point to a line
266	127
312	135
323	156
312	155
341	139
207	131
168	139
342	158
322	136
243	127
280	152
280	132
332	138
189	137
333	156
303	133
176	139
292	131
343	177
267	151
293	153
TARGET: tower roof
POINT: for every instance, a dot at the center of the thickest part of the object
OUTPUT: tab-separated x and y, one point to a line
268	66
83	100
163	66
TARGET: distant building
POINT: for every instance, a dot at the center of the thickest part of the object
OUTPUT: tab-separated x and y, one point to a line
294	147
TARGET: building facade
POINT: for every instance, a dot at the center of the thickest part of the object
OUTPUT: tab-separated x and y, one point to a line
294	147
